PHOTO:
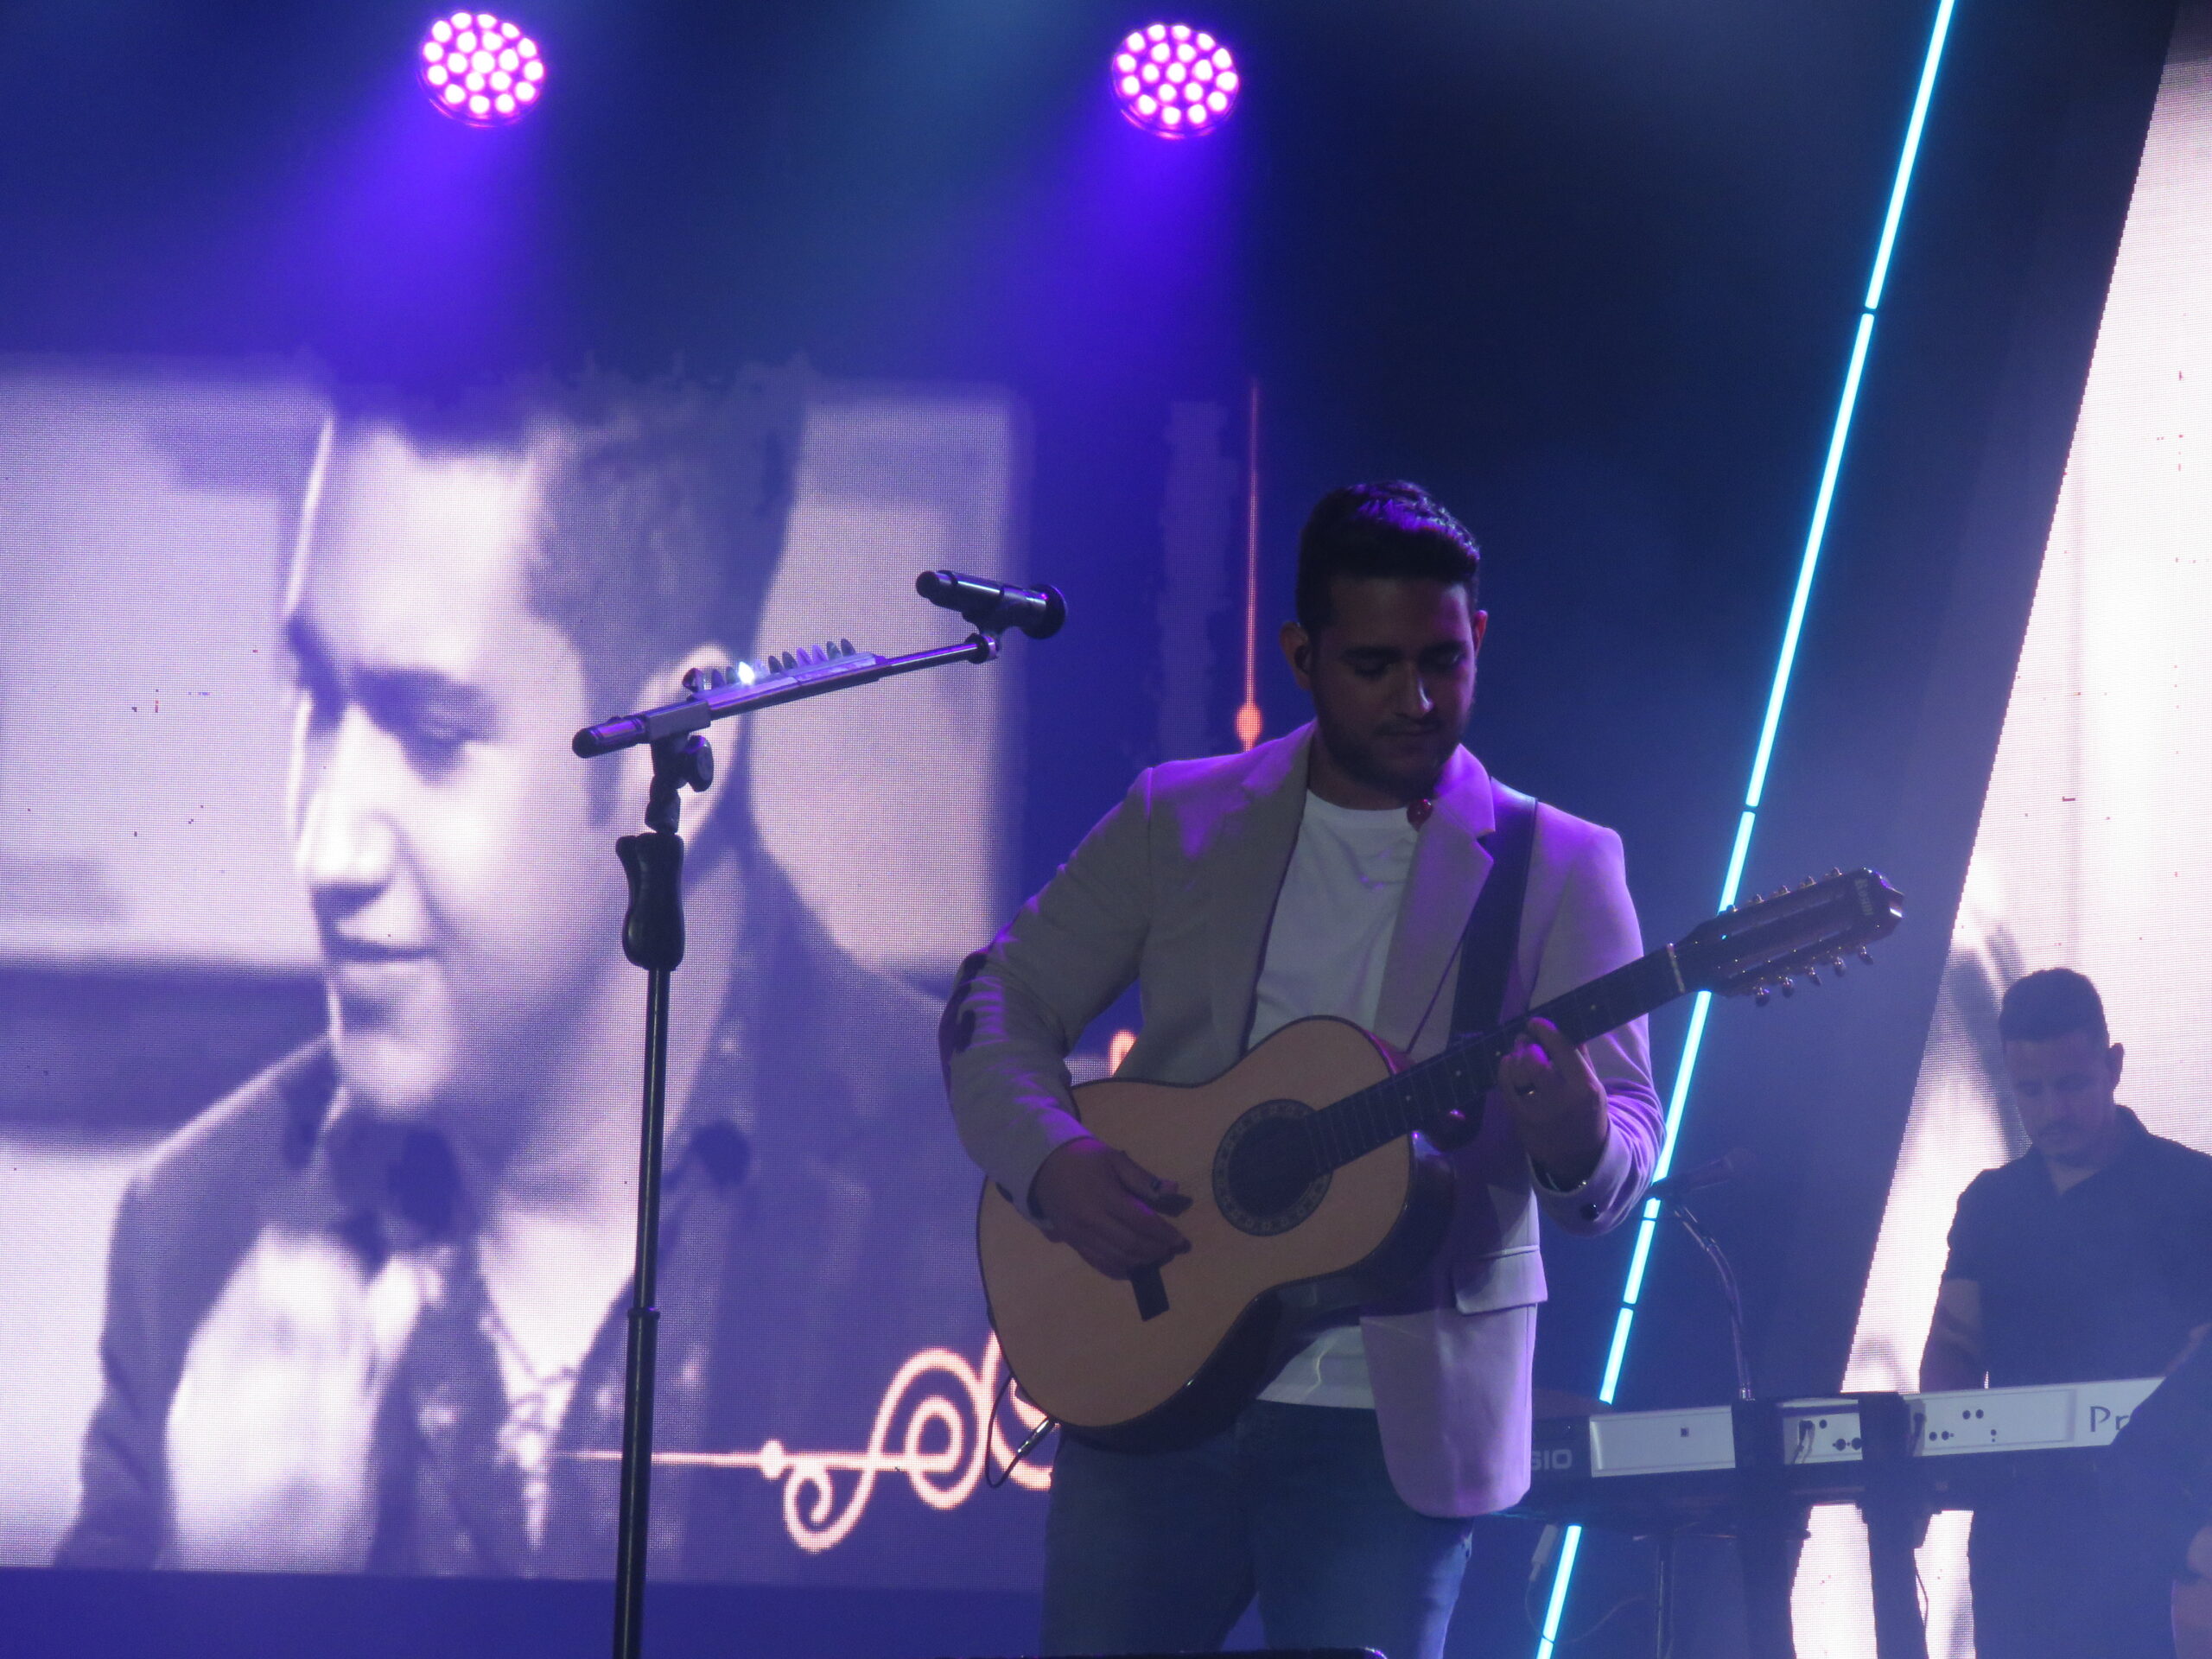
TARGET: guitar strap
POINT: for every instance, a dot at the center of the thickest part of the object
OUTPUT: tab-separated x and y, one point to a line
1494	926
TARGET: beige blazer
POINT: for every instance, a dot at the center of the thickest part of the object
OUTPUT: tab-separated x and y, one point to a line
1175	889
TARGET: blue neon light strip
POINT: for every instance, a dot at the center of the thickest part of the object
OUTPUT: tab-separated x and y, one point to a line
1937	39
1793	629
1569	1547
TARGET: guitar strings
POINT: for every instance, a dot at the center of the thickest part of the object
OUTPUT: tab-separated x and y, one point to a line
1290	1159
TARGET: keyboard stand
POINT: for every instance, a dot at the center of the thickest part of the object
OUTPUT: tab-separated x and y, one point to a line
1770	1526
1895	1505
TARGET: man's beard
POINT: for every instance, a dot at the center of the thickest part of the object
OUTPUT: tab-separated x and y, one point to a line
1417	782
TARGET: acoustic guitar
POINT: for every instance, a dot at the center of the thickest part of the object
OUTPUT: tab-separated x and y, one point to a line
1310	1184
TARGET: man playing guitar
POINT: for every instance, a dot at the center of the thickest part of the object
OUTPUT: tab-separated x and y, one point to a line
1335	871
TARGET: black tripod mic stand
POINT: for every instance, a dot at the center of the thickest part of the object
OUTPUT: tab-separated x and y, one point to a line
652	939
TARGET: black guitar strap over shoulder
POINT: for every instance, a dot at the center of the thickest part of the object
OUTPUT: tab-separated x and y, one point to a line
1494	926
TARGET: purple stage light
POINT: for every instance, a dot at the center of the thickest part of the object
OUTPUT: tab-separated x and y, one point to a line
481	69
1174	80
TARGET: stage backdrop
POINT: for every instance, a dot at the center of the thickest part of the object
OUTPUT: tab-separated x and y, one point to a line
157	951
2095	849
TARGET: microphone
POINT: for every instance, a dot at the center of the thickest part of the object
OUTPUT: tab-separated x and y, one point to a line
1733	1166
995	607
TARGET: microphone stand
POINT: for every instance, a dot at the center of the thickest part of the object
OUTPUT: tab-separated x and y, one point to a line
1770	1526
652	939
1729	1292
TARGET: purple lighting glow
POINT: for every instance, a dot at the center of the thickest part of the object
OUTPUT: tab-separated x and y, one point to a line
1174	80
481	69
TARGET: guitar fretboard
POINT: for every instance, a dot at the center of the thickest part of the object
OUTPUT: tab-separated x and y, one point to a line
1421	1095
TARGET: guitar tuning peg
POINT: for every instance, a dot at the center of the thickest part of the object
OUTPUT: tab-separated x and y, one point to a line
1865	956
846	646
1762	994
1812	973
1809	882
1788	987
1836	875
1838	964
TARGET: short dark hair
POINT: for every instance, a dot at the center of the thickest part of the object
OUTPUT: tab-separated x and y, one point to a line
1367	531
663	509
2052	1004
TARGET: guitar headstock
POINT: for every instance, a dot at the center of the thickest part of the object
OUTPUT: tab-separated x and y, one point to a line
1761	946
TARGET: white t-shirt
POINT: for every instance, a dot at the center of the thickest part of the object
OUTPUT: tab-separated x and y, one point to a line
1334	924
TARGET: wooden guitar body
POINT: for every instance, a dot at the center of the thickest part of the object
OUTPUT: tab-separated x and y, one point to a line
1168	1359
1310	1187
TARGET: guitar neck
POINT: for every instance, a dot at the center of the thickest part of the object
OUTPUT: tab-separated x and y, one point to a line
1421	1096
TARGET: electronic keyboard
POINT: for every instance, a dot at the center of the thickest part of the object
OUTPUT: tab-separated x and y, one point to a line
1644	1470
1751	1471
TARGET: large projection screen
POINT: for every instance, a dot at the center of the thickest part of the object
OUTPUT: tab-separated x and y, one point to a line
827	1364
2094	845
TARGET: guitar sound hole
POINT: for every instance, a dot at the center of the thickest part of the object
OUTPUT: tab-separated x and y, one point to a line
1264	1181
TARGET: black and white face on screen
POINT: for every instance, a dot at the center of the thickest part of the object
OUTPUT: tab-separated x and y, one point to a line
454	852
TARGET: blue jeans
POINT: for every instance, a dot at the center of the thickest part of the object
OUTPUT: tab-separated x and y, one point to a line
1160	1552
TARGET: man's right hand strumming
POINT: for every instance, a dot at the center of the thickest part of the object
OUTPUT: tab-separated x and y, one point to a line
1108	1207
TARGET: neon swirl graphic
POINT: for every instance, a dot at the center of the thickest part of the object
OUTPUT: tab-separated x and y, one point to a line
944	1477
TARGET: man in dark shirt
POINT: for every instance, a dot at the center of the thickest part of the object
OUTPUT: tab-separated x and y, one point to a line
2089	1256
